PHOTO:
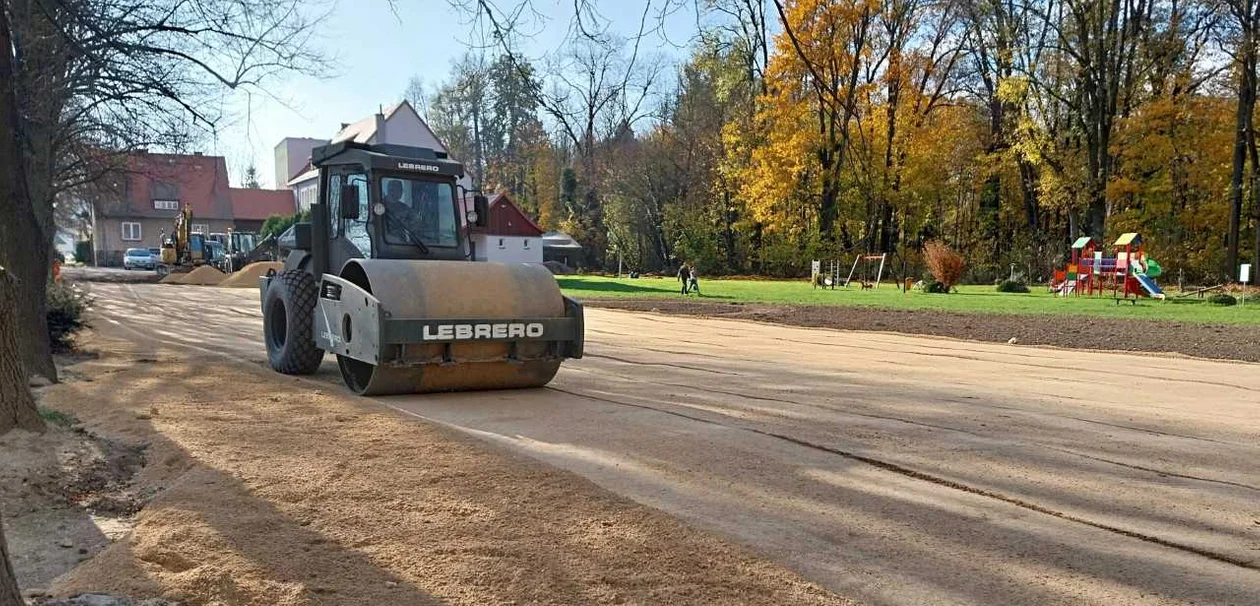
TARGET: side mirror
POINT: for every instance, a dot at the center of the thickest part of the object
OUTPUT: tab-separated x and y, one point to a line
482	207
349	202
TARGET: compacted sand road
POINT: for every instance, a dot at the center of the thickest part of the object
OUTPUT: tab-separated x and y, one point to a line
891	469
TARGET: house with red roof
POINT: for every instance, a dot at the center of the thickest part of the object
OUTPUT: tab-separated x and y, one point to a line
251	207
139	203
143	199
509	235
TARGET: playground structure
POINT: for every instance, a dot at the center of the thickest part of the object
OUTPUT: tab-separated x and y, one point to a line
826	274
866	261
1129	272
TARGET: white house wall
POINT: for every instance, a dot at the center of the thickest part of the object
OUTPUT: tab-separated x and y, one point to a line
507	249
402	128
306	193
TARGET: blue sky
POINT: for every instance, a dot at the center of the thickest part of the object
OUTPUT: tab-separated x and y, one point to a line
377	51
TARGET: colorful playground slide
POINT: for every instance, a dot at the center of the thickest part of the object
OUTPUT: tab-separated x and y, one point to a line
1149	286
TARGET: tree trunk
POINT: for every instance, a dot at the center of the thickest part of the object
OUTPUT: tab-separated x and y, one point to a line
17	406
728	236
1254	175
1246	105
24	245
991	212
1028	183
827	211
9	593
1255	234
479	158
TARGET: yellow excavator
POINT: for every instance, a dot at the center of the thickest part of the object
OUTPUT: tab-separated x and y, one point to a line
182	250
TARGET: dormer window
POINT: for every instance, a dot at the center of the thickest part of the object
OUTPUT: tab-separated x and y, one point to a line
166	204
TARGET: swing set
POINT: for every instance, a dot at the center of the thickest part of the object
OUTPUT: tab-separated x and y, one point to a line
826	274
867	261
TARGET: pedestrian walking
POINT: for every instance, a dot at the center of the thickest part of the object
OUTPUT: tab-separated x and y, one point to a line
692	281
684	276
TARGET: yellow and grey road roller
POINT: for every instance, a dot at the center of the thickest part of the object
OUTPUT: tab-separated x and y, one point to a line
382	276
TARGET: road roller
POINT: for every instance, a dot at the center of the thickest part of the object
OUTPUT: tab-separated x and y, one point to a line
383	276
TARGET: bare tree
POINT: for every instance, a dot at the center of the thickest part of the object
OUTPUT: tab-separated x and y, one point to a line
594	91
458	114
417	96
1246	25
745	25
97	78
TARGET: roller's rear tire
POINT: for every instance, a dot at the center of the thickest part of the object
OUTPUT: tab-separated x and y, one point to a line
289	323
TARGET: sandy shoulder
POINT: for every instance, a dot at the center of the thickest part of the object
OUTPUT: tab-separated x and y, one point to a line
268	491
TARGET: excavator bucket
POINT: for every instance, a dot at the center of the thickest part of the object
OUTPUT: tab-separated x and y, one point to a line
407	326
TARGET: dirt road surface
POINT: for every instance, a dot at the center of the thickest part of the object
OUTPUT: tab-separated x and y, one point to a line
890	469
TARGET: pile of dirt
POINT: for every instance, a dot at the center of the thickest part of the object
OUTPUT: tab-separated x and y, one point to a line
173	278
1111	334
248	276
203	276
260	504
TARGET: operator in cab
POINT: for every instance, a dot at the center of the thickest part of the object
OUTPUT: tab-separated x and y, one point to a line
414	215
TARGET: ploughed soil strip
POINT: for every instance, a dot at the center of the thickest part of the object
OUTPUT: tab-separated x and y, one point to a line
268	490
1198	340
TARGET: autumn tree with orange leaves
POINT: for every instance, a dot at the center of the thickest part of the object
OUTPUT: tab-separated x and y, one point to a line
803	129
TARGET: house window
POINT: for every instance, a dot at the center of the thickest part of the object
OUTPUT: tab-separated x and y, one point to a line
306	196
166	204
501	245
525	243
130	231
200	228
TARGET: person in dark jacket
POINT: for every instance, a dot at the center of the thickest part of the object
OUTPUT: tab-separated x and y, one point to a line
684	276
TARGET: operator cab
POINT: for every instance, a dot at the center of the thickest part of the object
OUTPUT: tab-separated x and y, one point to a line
388	202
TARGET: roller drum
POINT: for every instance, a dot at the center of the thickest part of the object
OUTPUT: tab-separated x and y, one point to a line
455	289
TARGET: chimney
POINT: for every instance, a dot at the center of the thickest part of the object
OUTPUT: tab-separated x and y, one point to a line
196	153
380	128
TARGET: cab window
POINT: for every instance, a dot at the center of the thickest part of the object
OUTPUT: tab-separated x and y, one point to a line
334	206
357	230
419	210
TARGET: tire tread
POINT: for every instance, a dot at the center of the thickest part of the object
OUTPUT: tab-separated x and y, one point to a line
300	356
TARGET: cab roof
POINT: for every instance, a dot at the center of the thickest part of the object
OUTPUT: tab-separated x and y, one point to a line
387	157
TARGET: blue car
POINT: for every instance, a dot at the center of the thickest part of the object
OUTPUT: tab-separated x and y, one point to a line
139	258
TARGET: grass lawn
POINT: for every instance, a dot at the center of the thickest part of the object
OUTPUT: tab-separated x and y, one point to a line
970	299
